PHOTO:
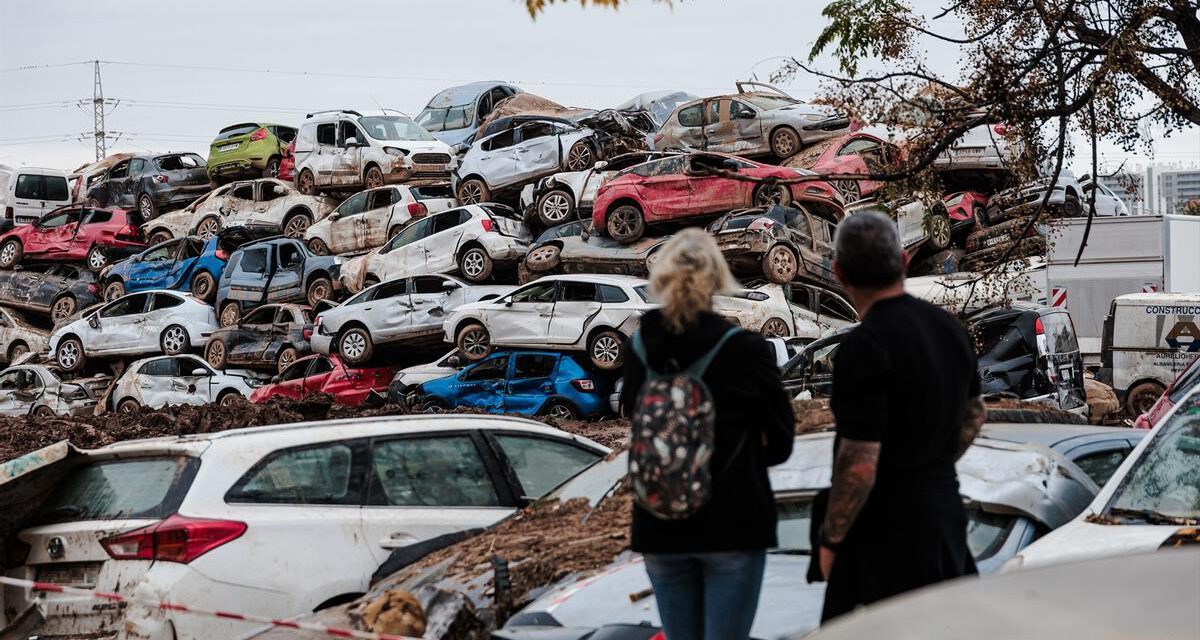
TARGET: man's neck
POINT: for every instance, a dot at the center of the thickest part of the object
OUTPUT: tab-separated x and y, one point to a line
864	299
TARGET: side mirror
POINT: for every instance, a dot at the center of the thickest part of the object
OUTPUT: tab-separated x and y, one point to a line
449	286
94	322
600	164
746	115
352	142
335	216
508	302
199	372
454	361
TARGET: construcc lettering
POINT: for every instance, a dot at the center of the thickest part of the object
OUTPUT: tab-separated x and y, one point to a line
1162	310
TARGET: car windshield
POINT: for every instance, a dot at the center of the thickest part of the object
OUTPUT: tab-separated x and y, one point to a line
807	158
766	101
986	532
393	128
118	489
448	118
1163	486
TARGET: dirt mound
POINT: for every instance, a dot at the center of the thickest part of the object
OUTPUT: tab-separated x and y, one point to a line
1024	412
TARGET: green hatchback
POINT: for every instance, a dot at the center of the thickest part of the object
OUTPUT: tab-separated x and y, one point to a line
248	150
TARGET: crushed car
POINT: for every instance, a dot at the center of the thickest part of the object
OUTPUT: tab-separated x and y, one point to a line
273	270
370	218
1031	352
556	199
190	264
85	176
18	336
248	150
327	375
658	104
270	337
171	380
37	390
920	226
858	152
781	243
75	234
151	184
51	289
1063	198
573	248
766	309
265	207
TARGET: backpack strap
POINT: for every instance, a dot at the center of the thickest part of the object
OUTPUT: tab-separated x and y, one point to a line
701	365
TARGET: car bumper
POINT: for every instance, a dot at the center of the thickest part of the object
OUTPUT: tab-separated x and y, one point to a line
417	174
230	168
320	343
179	197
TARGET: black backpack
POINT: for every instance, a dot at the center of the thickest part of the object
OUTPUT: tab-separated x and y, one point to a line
673	435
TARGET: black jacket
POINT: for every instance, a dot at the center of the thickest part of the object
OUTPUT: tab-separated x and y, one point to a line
754	430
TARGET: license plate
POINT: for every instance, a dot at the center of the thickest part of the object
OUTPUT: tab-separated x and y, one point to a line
228	147
76	574
969	151
1065	373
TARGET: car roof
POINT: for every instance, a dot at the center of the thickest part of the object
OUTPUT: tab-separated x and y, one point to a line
457	95
599	278
137	363
1057	436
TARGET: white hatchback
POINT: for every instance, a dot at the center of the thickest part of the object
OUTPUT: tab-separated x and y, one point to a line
276	521
183	379
370	218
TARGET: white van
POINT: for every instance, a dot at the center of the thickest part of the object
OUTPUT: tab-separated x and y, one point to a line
1149	338
29	192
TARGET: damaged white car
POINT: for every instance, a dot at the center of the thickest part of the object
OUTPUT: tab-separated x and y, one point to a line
590	313
18	336
767	310
573	248
370	218
407	309
35	390
170	380
569	194
138	323
523	153
264	207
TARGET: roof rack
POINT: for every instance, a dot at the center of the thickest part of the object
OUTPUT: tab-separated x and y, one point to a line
350	111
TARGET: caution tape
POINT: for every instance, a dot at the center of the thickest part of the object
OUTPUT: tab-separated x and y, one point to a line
333	632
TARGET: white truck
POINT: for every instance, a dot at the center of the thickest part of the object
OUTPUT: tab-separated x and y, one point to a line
1149	338
26	193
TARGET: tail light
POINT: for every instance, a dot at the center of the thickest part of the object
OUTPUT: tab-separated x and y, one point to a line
417	209
658	137
487	223
129	231
661	635
221	254
761	224
161	179
583	384
308	331
259	134
176	539
1038	328
8	213
93	289
1000	129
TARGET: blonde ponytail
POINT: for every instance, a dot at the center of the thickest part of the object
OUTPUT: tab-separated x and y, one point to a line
688	271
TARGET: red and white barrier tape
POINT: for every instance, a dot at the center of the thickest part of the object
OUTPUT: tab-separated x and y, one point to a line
333	632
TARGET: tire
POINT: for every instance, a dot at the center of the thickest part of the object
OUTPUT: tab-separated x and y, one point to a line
543	259
160	236
766	195
555	207
272	168
318	246
1072	208
44	412
96	260
475	264
204	286
128	406
474	341
227	397
63	308
524	275
231	312
580	157
174	340
780	265
604	350
434	405
1141	397
208	227
355	346
373	177
785	142
295	225
215	354
850	190
113	290
626	224
473	191
286	358
319	289
11	253
559	410
981	217
775	328
16	350
146	207
306	184
939	231
69	355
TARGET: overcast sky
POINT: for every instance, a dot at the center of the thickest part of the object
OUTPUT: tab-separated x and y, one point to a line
356	54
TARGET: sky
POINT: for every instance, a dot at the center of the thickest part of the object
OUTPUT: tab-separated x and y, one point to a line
178	72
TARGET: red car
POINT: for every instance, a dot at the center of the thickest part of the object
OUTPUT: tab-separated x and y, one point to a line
859	153
315	374
287	166
966	209
1188	380
683	186
75	234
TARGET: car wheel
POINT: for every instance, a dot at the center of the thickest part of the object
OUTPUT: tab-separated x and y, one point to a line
228	397
128	405
475	264
146	206
543	259
11	253
559	410
272	168
981	216
63	308
114	290
766	195
939	231
174	340
1071	206
474	341
850	190
96	260
524	275
373	177
555	207
780	265
785	142
318	246
17	350
70	355
295	226
159	237
355	345
44	412
230	312
776	328
1141	397
580	157
286	358
203	286
208	227
626	224
434	405
306	184
319	289
604	349
473	191
214	354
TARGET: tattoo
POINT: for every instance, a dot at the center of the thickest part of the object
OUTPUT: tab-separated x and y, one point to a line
853	478
976	415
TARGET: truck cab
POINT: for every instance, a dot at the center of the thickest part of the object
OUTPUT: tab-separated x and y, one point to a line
1148	340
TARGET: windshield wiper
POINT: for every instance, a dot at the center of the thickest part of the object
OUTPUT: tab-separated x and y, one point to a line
1151	516
790	552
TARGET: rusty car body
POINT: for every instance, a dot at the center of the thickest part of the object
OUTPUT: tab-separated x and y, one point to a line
778	242
36	390
370	218
18	336
264	207
270	338
51	289
572	248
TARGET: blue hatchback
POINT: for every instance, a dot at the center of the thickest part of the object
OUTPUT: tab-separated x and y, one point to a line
183	264
522	382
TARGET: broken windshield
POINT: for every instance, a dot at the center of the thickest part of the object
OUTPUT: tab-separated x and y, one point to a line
447	119
393	128
1163	487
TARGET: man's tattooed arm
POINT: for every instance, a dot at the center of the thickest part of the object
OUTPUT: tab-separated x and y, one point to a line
853	477
976	414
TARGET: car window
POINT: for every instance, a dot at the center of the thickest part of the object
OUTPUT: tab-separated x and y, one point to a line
347	130
137	166
165	367
577	292
536	292
21	379
285	316
986	532
96	216
1000	341
1100	465
441	471
500	140
1060	334
39	187
822	358
165	301
692	116
736	109
296	371
1163	480
286	134
391	289
290	255
533	130
243	191
1189	380
430	284
319	366
179	162
666	166
533	365
120	489
542	464
163	252
490	369
858	145
446	221
801	296
58	219
261	315
322	474
120	170
128	305
354	205
327	134
409	234
272	190
236	130
611	294
381	198
835	307
712	112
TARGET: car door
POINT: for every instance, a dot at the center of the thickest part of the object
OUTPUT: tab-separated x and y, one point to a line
237	204
350	142
317	375
575	304
537	150
247	340
347	227
287	280
280	333
131	187
443	235
481	386
425	485
403	254
524	316
250	274
389	312
158	317
149	270
51	236
157	383
194	385
496	158
530	382
262	210
712	193
116	186
664	188
376	219
745	125
691	126
180	271
429	296
120	325
327	155
291	382
16	393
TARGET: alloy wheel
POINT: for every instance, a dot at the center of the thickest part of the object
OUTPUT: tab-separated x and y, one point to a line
606	349
146	207
8	254
63	308
768	196
96	259
216	354
775	328
68	355
353	345
207	228
475	342
296	227
556	207
624	222
560	412
174	339
579	158
473	263
472	193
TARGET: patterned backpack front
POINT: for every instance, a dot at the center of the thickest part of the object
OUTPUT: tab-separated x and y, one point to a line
673	435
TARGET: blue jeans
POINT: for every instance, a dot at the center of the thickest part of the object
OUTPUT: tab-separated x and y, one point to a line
707	596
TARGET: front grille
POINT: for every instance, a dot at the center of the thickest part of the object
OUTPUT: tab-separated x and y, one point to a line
431	158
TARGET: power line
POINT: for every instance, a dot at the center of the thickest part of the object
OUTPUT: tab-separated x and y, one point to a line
30	67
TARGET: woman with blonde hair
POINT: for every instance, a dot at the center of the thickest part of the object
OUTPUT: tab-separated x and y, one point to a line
706	563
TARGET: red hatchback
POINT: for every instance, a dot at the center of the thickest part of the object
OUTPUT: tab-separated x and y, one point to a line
314	375
860	153
95	237
684	186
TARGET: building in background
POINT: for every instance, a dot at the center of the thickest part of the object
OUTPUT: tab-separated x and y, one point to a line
1176	187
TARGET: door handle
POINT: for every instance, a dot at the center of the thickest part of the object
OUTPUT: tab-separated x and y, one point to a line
145	385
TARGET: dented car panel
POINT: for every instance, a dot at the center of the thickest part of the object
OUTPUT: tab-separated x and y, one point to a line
32	389
259	340
134	324
523	153
54	290
766	309
318	374
174	264
571	248
172	380
780	243
279	270
18	336
577	188
854	153
75	234
264	207
370	218
346	150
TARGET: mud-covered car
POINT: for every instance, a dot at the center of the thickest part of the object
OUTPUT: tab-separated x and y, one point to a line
264	207
1064	199
1031	352
18	336
94	237
191	264
274	270
151	184
572	248
525	152
52	289
36	390
858	152
781	243
370	218
566	195
327	375
766	309
920	226
182	379
270	338
409	310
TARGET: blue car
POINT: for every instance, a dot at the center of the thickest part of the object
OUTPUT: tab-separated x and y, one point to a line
183	264
522	382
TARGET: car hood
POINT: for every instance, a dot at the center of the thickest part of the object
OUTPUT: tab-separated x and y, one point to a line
1081	540
418	146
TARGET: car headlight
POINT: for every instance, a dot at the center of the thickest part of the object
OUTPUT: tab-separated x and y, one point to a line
395	151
